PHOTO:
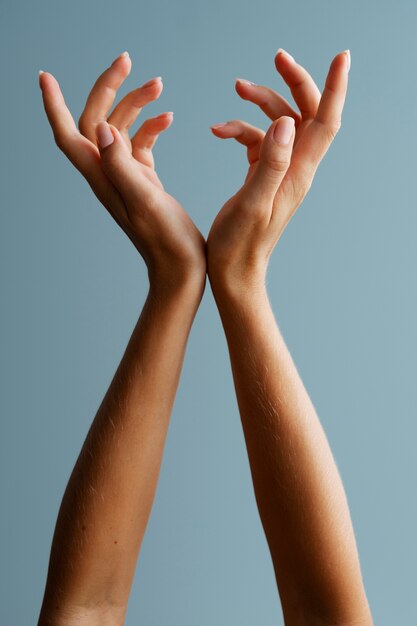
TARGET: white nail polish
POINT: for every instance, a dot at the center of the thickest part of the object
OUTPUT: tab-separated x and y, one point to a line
284	52
347	52
246	82
41	72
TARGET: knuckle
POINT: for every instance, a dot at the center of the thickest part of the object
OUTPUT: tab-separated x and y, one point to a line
251	206
298	188
279	163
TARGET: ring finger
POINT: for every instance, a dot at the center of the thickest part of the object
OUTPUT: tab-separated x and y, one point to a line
244	133
268	100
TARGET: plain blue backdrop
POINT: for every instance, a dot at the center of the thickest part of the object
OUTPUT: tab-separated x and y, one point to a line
342	284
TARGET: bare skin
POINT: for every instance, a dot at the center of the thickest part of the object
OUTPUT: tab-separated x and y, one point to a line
107	503
299	493
300	496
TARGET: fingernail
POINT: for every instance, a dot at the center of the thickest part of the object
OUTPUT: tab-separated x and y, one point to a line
283	130
220	125
157	79
170	113
41	72
121	56
246	82
285	53
347	54
104	135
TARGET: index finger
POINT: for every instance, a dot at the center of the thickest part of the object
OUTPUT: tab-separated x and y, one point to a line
79	150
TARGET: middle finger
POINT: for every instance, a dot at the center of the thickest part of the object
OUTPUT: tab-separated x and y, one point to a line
303	88
127	110
102	96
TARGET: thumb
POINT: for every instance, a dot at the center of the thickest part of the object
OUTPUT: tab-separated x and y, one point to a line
118	163
274	158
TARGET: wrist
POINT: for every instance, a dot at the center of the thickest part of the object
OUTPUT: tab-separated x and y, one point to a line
238	285
185	286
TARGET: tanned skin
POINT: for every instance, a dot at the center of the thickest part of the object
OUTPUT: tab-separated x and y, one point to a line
299	493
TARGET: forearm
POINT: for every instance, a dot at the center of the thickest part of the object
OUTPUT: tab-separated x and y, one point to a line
298	490
107	503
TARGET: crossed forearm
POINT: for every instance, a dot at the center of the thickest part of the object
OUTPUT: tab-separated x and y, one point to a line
300	497
106	505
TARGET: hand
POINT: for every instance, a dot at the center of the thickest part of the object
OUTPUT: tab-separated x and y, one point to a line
121	171
282	164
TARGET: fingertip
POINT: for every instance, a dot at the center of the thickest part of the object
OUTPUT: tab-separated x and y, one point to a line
124	62
283	129
347	59
283	55
116	134
243	87
342	60
157	81
105	134
217	128
244	82
167	117
47	80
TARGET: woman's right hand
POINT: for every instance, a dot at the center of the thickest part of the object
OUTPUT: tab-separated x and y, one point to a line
121	171
282	164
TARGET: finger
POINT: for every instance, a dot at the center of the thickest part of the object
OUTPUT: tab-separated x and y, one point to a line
319	135
274	161
303	88
332	101
269	101
59	116
121	167
126	112
102	95
79	150
244	133
145	138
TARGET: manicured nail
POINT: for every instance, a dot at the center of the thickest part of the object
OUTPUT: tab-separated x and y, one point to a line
153	81
220	125
170	113
104	135
283	130
285	53
121	56
41	72
347	54
245	82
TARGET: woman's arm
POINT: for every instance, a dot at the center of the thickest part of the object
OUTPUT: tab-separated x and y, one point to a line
299	493
108	499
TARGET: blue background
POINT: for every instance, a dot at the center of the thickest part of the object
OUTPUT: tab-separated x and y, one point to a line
341	281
